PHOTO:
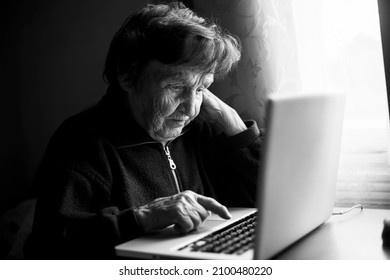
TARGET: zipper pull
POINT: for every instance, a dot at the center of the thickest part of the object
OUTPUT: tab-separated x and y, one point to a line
168	154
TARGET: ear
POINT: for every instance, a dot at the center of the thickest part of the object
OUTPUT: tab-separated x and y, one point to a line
124	82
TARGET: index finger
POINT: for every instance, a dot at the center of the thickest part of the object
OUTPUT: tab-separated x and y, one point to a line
214	206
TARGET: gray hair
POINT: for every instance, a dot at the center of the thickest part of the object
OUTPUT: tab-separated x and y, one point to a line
171	34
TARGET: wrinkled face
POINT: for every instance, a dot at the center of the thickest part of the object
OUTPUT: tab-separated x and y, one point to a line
169	99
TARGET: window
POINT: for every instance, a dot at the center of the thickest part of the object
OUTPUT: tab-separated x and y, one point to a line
341	50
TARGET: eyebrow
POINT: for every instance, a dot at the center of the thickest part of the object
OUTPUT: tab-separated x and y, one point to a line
184	78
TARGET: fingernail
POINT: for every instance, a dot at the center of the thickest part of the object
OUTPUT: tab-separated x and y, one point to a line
228	213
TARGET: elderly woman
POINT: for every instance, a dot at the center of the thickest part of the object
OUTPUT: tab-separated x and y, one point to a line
158	150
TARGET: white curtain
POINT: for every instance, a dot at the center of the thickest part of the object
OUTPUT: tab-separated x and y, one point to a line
315	45
269	59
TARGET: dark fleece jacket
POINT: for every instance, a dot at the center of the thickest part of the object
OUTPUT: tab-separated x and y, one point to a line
100	164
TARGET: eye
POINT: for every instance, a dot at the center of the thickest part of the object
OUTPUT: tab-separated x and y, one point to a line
175	87
200	90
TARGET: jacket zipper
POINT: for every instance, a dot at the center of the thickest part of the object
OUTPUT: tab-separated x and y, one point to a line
172	165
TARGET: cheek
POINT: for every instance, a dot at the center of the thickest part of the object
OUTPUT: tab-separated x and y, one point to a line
164	106
198	104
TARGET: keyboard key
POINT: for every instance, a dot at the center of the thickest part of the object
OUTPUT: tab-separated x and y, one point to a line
234	239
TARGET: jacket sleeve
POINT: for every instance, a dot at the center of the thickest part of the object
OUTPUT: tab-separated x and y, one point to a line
235	166
76	215
74	218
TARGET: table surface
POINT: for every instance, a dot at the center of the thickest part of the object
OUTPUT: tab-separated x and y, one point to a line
352	236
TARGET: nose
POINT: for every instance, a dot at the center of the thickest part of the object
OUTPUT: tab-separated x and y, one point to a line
189	103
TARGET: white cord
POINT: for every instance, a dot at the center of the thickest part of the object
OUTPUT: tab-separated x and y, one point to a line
349	209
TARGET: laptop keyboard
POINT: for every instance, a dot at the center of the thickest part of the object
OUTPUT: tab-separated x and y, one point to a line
236	238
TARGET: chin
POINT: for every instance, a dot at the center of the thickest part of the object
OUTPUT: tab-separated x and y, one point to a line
166	136
172	136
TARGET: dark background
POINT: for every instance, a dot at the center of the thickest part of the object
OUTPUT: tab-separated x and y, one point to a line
52	58
53	54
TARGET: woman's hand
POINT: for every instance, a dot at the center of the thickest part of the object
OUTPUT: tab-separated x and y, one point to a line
221	115
186	210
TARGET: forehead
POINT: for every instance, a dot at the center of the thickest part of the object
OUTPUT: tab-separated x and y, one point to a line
167	73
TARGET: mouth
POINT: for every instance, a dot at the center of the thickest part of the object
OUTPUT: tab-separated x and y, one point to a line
178	122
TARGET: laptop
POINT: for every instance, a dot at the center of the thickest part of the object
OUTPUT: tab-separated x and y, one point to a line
296	189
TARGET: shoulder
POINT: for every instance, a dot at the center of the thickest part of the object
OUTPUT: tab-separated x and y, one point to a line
88	127
77	147
79	142
76	130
